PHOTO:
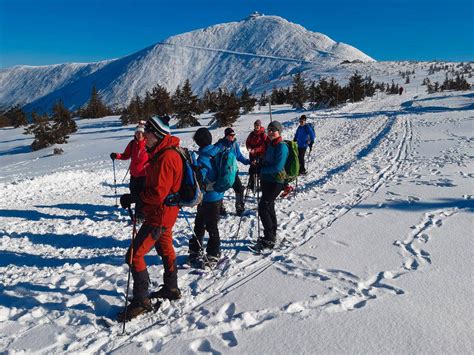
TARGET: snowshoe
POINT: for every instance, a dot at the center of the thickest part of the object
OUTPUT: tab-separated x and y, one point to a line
210	261
166	293
134	309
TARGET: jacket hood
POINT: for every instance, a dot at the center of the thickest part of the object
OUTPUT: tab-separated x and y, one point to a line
210	149
167	142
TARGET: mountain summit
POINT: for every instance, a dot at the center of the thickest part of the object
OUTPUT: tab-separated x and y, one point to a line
248	53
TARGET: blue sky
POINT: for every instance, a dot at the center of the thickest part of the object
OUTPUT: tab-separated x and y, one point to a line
39	32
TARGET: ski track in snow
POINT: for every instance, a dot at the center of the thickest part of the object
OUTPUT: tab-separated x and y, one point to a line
61	292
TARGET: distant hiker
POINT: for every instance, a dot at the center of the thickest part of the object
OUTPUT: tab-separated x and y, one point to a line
136	151
208	211
304	136
230	143
256	143
163	177
272	178
400	90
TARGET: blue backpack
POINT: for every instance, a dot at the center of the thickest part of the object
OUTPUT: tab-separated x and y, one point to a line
190	191
225	164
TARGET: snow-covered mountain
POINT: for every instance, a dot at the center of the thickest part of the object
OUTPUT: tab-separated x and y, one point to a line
250	52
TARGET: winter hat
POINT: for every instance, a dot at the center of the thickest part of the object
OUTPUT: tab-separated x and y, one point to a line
257	122
228	131
276	125
202	137
158	126
303	117
140	129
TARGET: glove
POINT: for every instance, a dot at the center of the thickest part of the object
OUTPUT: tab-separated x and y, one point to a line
113	156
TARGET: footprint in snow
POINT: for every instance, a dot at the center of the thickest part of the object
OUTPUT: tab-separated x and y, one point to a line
230	339
203	346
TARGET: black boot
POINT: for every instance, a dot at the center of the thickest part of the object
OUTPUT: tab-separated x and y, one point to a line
134	309
239	204
167	293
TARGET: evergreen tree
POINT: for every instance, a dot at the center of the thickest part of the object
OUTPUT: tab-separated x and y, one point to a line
210	101
228	110
148	108
4	121
298	92
247	102
355	87
63	122
186	106
133	113
42	130
263	99
16	116
95	107
334	93
369	87
162	103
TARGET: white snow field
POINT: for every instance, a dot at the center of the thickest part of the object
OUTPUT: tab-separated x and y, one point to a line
377	252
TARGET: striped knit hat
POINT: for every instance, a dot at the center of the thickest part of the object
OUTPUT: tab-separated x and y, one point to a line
158	126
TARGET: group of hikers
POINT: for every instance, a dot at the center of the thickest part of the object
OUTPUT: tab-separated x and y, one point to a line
158	172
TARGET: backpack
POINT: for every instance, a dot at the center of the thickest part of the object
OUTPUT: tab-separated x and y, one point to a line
225	163
190	191
292	165
311	128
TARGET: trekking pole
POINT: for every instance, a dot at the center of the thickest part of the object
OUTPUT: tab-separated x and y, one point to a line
296	185
197	239
134	232
115	183
126	173
307	160
245	197
258	206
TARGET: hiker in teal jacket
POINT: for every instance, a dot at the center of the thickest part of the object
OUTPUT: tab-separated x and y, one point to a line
229	142
272	179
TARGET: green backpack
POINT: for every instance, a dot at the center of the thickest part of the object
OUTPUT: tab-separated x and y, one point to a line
292	165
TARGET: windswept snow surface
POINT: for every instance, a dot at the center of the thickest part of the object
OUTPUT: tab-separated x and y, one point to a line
377	251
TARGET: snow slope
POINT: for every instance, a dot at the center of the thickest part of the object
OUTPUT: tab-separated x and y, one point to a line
377	251
231	55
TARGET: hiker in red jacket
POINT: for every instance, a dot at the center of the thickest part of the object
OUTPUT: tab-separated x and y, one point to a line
256	143
164	173
136	151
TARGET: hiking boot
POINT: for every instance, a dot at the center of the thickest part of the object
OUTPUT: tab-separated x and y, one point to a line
261	245
211	260
239	204
167	293
194	260
286	191
239	210
134	309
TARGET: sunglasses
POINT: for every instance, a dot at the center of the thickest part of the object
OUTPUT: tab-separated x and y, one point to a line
272	130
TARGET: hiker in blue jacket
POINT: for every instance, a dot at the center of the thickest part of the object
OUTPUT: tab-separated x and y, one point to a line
272	180
208	211
304	137
229	142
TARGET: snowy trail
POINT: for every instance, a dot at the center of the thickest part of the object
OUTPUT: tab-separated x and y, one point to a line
322	218
62	249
